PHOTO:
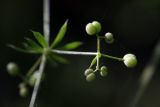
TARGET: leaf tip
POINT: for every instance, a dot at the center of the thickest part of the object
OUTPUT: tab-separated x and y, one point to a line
66	20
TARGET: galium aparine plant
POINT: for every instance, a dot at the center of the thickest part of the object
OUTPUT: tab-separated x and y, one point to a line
53	52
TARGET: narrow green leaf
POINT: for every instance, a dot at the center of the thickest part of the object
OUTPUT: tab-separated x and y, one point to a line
60	35
40	39
33	45
51	61
26	46
59	59
22	50
72	45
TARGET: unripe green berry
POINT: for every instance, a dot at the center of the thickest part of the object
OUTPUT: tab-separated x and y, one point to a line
91	29
33	78
23	90
104	68
13	69
88	71
130	60
21	85
97	25
109	38
91	77
128	55
103	71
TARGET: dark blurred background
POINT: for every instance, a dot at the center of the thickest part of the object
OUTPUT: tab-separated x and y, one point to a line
136	28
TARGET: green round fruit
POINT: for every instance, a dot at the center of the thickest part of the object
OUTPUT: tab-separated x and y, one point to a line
91	29
109	38
91	77
104	68
23	91
97	25
103	71
33	78
13	69
130	60
88	71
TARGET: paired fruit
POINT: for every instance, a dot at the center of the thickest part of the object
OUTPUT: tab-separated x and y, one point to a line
93	28
103	71
91	76
23	90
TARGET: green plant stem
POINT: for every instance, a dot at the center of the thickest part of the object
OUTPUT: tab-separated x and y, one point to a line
32	69
38	81
85	54
112	57
98	44
98	52
93	62
73	52
46	19
46	31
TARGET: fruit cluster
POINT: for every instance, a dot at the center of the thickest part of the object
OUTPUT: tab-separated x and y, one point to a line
129	60
29	80
90	73
51	51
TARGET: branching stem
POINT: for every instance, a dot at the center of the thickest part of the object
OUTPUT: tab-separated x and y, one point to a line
112	57
98	52
46	31
42	61
84	54
73	52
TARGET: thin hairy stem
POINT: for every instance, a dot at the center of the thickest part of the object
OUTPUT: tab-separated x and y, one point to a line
73	52
32	69
93	62
46	19
46	31
112	57
38	81
98	44
85	54
98	52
